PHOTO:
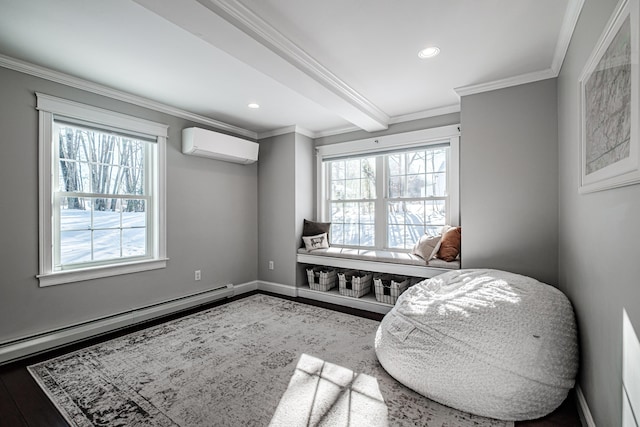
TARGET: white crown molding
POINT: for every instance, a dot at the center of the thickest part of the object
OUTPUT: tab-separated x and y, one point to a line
305	132
425	114
336	131
569	22
286	130
261	31
98	89
508	82
275	132
571	15
433	112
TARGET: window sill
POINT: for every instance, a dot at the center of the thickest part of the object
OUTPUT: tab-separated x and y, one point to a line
61	277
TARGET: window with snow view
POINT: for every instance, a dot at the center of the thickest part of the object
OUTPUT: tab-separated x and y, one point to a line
103	210
386	197
101	196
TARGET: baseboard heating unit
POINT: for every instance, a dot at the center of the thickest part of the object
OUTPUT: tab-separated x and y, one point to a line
28	346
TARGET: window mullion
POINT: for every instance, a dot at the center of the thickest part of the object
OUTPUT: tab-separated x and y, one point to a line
120	231
104	195
47	169
453	183
55	197
55	222
327	198
92	227
380	241
149	191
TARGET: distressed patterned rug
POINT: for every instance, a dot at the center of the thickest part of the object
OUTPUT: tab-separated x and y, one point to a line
256	361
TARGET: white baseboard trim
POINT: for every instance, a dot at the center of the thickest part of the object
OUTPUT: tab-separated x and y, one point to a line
33	344
333	297
583	409
243	288
278	288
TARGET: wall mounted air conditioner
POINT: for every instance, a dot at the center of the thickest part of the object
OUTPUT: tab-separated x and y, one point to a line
215	145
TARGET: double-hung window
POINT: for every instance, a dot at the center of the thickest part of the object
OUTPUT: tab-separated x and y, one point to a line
101	192
352	200
384	193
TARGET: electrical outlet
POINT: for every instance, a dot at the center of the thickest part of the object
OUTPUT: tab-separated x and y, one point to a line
197	275
271	266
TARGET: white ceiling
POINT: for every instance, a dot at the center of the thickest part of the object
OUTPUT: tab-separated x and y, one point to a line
324	66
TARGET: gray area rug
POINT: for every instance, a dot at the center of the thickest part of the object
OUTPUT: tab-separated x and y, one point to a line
257	361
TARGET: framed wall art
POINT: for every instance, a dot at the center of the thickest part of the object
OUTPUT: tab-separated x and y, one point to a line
609	115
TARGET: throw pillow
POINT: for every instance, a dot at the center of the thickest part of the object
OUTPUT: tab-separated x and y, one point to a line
450	243
312	228
427	247
318	241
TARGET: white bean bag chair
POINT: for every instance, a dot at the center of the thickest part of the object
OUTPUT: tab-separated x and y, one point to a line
488	342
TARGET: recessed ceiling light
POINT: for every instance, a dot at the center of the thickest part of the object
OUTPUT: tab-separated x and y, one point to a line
429	52
253	105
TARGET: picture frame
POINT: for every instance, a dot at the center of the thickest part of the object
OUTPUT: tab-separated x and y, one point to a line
609	110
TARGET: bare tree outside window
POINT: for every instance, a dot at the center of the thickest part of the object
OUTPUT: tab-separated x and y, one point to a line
102	195
414	192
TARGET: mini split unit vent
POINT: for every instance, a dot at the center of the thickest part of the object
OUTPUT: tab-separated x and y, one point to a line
214	145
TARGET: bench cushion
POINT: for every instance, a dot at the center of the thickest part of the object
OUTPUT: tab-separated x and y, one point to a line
381	256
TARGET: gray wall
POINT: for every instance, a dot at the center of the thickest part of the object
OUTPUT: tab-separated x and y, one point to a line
304	193
599	235
211	222
276	219
285	188
509	180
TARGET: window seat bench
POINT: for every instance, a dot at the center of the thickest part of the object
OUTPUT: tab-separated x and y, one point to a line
378	261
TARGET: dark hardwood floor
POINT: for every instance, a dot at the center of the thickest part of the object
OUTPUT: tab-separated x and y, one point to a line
24	404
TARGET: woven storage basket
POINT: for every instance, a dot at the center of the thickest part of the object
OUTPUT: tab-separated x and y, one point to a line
354	283
388	288
321	278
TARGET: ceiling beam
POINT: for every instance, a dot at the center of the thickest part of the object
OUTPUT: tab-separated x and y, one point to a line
233	28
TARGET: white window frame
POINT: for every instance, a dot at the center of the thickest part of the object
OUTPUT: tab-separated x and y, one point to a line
407	140
49	107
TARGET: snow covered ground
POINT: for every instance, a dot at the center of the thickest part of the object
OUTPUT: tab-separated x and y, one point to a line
101	235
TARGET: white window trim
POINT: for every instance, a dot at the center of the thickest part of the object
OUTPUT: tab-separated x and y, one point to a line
419	138
48	106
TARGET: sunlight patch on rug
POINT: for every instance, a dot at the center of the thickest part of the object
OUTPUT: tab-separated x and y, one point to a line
323	394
